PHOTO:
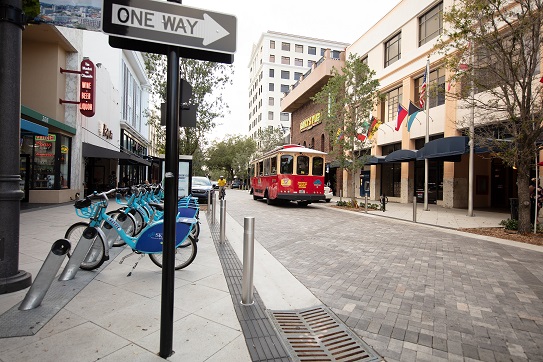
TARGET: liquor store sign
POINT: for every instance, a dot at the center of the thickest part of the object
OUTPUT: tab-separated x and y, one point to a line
87	93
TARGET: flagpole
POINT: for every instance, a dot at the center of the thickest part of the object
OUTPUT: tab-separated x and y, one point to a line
427	138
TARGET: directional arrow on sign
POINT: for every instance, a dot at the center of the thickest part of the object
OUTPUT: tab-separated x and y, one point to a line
207	29
170	23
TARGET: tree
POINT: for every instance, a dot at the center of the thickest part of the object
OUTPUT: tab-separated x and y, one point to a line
497	44
208	81
231	156
347	101
268	139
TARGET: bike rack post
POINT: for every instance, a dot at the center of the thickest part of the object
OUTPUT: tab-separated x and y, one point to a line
45	276
366	203
414	209
222	215
80	253
248	260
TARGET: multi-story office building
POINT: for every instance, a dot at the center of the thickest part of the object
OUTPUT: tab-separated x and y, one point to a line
398	48
277	62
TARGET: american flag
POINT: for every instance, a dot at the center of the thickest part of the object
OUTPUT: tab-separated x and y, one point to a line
422	96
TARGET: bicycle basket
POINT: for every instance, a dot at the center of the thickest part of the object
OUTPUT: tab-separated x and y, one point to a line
89	211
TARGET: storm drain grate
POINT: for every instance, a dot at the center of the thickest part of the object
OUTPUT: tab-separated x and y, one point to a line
317	335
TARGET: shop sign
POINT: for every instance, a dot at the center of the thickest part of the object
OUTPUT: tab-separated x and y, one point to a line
310	122
51	138
104	131
63	149
87	88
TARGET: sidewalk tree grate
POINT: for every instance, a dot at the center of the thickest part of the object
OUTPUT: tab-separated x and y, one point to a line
316	334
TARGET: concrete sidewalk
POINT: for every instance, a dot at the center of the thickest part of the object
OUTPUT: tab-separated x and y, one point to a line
117	318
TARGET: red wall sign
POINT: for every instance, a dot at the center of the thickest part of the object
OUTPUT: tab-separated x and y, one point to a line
87	93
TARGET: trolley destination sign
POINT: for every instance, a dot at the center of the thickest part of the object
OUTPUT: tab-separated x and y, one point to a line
170	23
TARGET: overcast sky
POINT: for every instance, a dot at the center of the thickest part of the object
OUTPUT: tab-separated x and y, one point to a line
340	20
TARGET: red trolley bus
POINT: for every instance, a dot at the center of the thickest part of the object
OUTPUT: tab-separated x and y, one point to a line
289	172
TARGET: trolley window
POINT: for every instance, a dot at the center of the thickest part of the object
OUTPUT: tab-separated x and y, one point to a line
302	165
318	166
261	168
287	163
266	167
274	165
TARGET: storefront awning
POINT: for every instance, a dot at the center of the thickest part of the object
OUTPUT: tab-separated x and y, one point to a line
401	156
33	128
448	149
375	160
90	150
139	160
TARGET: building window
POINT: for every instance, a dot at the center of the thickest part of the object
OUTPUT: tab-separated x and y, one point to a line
272	58
285	60
272	73
389	109
131	102
284	88
322	142
364	60
310	63
431	24
297	75
393	49
285	74
298	48
271	87
271	101
335	54
284	117
312	50
272	44
322	52
298	62
270	115
435	89
285	46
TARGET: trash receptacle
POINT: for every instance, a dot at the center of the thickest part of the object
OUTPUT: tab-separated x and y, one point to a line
514	208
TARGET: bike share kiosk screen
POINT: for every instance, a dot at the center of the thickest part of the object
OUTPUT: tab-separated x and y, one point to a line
184	184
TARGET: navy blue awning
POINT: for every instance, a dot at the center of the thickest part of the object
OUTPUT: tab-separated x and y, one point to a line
375	160
401	156
448	149
33	128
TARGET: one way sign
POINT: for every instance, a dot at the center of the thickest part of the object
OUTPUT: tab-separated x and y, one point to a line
170	23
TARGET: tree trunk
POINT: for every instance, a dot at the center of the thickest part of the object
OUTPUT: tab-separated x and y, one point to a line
523	182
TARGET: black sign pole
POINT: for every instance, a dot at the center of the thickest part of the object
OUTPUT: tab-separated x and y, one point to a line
171	174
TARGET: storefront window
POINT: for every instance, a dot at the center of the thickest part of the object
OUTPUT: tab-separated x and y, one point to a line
65	148
44	162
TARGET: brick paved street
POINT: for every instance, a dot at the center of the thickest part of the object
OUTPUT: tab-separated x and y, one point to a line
413	292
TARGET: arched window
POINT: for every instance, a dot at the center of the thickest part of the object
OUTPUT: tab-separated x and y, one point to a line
322	142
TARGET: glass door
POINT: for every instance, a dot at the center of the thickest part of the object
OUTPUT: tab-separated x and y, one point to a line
24	169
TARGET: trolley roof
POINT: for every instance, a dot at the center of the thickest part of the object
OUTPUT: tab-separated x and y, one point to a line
291	148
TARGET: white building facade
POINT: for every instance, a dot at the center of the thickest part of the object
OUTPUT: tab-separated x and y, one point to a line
277	62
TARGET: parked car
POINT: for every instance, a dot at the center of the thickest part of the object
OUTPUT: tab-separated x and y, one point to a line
215	185
201	187
236	184
432	194
328	193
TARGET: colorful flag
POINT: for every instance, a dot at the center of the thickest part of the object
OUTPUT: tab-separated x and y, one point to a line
422	94
340	134
402	113
413	110
361	137
375	123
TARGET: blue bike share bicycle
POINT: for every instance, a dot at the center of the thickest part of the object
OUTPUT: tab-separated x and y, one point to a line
147	241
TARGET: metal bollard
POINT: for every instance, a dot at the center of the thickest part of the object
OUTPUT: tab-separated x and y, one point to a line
213	203
414	209
366	203
222	234
209	201
248	260
45	276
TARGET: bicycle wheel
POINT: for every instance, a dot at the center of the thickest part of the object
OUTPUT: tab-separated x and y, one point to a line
128	226
184	255
195	232
95	257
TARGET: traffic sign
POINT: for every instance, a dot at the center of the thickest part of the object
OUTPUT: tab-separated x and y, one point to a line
170	23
